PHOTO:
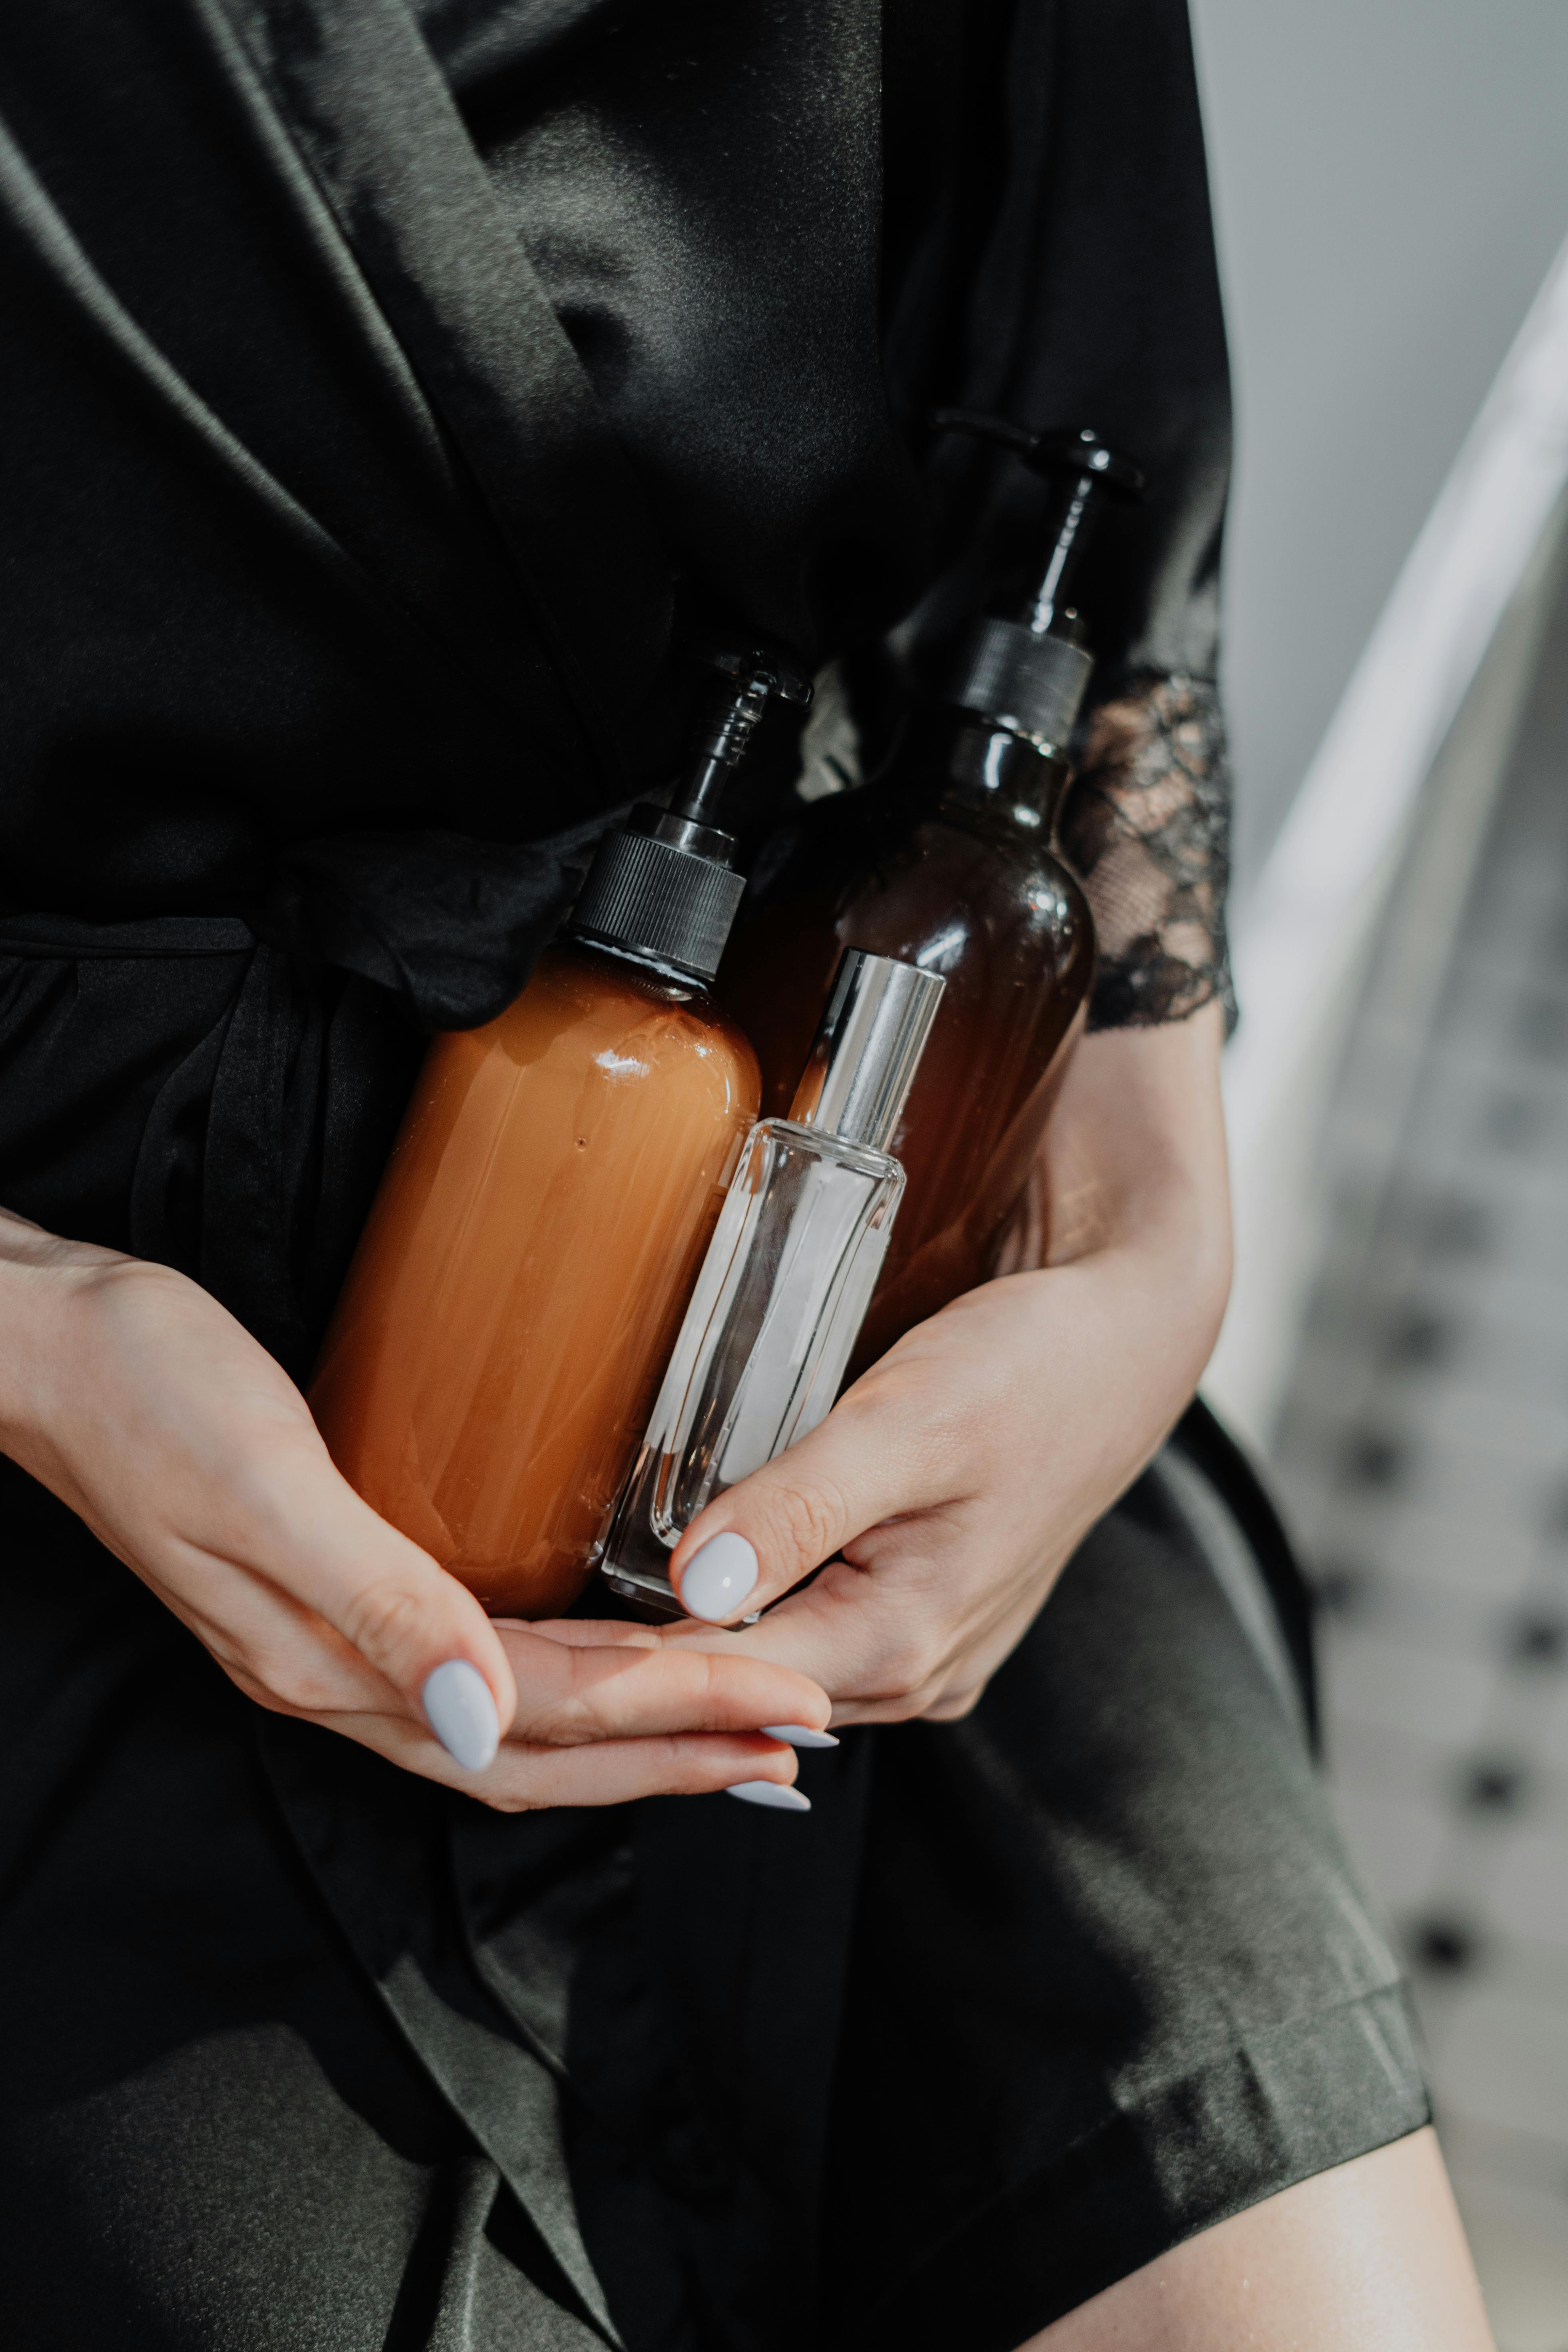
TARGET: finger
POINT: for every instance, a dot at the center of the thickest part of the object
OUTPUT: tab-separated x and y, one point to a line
583	1633
304	1530
619	1771
572	1693
865	1464
579	1631
875	1649
609	1772
290	1660
912	1622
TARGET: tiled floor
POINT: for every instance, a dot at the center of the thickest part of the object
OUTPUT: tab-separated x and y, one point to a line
1424	1458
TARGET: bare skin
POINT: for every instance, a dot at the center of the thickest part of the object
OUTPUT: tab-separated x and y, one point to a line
1367	2258
950	1486
948	1489
146	1407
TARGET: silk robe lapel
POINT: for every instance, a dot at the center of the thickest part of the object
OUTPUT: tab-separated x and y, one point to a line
40	238
367	107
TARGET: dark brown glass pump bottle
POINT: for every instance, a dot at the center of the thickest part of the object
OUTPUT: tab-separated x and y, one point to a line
948	861
492	1361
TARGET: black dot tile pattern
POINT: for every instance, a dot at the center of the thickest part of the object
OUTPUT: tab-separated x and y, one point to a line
1442	1945
1540	1638
1345	1589
1494	1785
1423	1457
1419	1340
1372	1458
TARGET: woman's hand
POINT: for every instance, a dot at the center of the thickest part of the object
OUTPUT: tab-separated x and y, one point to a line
147	1408
951	1484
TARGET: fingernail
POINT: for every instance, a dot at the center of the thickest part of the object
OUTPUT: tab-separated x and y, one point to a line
719	1577
769	1792
462	1714
798	1734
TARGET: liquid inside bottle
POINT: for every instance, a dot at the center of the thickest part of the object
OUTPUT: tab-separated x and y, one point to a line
971	891
490	1367
948	861
516	1290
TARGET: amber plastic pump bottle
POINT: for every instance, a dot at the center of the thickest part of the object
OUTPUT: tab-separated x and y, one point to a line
948	861
493	1356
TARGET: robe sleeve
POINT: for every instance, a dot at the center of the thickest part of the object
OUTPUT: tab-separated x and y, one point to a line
1049	257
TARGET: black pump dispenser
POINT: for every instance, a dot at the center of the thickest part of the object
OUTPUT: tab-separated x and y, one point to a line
663	885
1030	673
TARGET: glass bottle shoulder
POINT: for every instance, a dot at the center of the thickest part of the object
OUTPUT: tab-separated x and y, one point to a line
631	1022
973	804
954	886
789	1136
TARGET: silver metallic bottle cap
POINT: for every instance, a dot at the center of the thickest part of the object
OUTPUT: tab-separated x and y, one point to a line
868	1047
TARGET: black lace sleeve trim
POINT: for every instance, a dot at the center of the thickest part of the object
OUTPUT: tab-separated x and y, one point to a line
1147	829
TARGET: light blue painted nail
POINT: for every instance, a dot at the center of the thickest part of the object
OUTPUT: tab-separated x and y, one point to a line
462	1714
799	1734
717	1579
769	1792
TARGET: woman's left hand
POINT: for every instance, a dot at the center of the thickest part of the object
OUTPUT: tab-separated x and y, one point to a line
951	1484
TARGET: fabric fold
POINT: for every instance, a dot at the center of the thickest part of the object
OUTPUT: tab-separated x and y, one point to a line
36	222
375	1842
243	1178
456	926
371	113
258	1099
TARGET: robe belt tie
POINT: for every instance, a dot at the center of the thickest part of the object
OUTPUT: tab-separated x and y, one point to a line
265	1136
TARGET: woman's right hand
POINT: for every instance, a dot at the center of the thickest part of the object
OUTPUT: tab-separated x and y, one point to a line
142	1405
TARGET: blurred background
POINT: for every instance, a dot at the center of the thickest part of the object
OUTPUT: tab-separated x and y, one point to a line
1391	187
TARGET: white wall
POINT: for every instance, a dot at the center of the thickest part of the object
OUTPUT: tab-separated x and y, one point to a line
1391	183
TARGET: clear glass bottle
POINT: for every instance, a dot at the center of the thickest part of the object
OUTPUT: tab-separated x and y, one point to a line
789	1273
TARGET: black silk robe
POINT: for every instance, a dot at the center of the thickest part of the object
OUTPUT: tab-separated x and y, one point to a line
382	392
373	395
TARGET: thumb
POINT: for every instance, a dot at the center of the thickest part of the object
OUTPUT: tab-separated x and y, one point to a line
758	1538
409	1620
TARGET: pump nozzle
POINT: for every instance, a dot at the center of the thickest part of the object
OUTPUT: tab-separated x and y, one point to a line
750	679
1031	673
662	886
1091	471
